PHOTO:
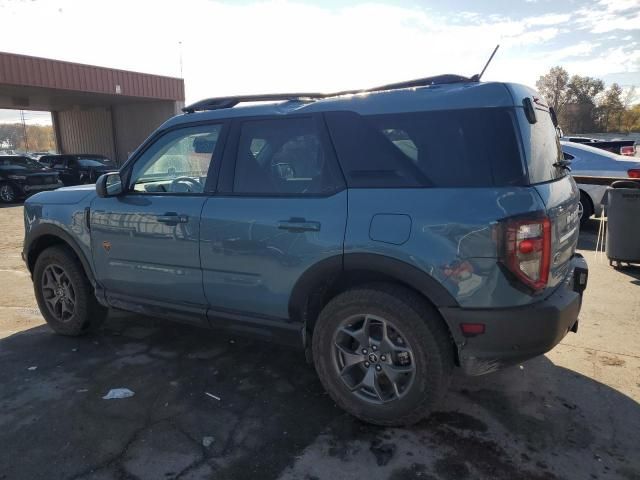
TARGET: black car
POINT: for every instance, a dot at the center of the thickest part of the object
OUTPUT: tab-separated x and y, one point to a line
22	176
79	169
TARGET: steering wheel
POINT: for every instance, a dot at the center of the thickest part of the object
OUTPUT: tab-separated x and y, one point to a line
193	185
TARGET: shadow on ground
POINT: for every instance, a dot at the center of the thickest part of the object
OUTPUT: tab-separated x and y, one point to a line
273	419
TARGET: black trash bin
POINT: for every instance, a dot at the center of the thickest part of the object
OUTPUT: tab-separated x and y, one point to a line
623	222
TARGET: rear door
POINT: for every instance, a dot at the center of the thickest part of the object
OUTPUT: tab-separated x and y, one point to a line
281	208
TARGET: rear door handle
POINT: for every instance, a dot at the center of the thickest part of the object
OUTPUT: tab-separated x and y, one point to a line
172	218
299	225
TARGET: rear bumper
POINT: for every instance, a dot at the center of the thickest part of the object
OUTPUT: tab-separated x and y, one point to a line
516	334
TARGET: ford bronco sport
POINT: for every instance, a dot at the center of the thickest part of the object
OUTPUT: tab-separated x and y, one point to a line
394	234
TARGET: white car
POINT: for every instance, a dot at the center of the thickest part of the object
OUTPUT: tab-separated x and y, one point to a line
593	162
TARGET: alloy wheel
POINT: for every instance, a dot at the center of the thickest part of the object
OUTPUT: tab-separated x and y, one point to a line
7	194
58	292
373	359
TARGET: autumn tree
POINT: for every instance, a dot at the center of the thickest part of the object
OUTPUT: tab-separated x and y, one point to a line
611	108
553	87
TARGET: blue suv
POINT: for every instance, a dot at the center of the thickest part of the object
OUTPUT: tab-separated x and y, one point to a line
394	234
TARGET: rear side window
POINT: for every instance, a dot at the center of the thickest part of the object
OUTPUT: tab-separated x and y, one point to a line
545	151
283	157
454	148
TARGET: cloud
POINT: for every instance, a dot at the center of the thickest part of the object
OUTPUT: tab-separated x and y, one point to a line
278	45
549	19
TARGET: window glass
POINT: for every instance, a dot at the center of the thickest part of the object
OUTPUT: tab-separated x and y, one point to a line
453	148
545	150
22	163
283	156
177	162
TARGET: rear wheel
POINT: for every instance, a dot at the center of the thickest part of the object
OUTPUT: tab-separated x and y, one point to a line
382	354
64	294
585	209
7	193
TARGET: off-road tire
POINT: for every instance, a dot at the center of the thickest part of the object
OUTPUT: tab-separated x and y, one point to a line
428	338
88	314
587	209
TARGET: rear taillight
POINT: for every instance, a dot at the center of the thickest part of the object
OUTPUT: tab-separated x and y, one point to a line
528	251
629	150
634	173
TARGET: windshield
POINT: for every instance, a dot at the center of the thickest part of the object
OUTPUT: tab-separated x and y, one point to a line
19	163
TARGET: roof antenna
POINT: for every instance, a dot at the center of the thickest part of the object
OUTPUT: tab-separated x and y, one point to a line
478	76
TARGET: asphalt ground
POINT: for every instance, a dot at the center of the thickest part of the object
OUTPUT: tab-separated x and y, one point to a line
209	406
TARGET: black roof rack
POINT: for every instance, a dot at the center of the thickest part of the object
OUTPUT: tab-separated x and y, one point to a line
217	103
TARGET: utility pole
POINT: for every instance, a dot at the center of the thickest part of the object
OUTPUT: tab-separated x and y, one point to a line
180	53
24	130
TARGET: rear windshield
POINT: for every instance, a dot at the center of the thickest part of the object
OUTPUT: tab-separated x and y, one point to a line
545	149
453	148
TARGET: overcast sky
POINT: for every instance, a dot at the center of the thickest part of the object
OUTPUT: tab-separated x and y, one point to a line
270	46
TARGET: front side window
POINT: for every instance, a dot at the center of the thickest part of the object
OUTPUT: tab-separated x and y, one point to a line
177	162
282	156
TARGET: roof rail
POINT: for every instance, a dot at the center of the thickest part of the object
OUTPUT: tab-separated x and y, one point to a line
217	103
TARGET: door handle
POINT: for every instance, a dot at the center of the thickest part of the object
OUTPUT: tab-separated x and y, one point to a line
299	225
172	218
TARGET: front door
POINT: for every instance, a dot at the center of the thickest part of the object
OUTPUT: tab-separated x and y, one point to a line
283	211
145	241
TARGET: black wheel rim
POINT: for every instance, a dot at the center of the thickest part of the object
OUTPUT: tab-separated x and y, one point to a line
58	292
373	358
6	193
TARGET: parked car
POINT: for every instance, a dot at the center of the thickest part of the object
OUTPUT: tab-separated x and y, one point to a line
21	176
620	147
393	234
38	155
79	169
592	162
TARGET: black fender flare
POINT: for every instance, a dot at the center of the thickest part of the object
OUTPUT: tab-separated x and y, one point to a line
47	229
331	268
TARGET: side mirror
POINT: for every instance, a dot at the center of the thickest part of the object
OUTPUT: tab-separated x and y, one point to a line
109	185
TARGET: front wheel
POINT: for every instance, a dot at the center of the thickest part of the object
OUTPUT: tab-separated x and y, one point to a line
7	193
64	294
383	354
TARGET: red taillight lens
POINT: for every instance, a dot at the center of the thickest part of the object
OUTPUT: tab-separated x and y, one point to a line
528	251
634	173
629	150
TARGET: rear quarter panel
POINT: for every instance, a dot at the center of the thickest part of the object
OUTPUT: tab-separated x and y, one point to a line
452	235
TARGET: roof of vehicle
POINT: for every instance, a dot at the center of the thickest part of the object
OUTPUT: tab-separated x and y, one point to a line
56	155
458	95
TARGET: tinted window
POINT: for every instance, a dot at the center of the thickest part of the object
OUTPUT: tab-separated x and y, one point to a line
177	162
283	156
544	150
19	163
455	148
